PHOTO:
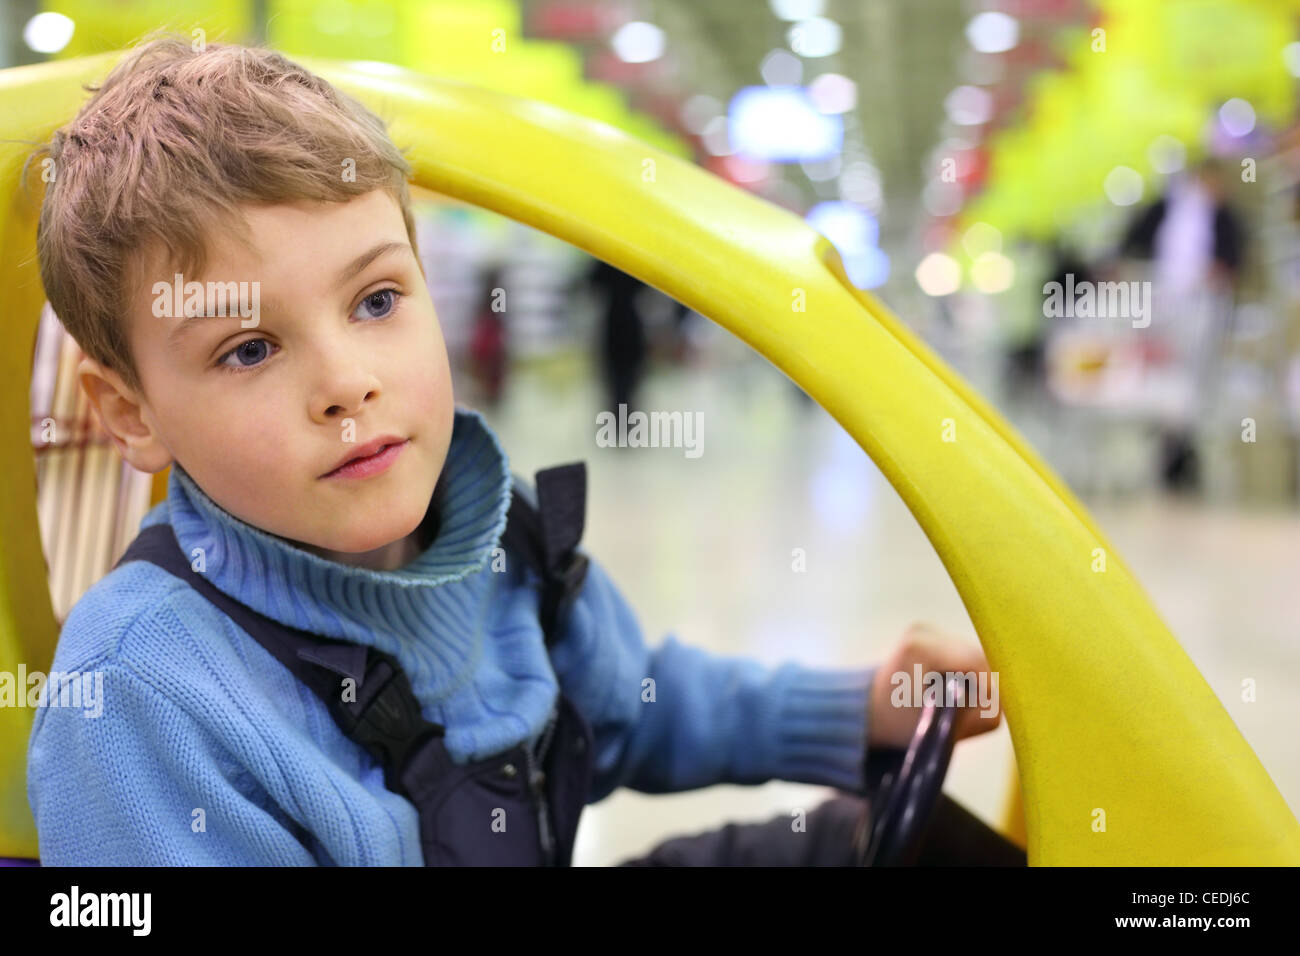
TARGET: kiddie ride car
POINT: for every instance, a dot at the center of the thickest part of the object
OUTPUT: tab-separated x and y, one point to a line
1139	739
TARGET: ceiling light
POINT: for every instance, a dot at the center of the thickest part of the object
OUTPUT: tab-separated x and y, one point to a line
48	32
638	42
814	37
993	32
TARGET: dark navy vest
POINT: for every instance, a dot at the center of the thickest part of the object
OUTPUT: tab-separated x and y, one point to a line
518	808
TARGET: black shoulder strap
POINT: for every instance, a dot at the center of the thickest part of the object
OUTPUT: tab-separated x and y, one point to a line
379	711
548	535
158	545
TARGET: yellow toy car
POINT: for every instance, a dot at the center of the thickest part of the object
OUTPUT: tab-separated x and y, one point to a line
1124	753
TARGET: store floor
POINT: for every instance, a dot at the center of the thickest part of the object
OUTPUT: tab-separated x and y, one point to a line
702	546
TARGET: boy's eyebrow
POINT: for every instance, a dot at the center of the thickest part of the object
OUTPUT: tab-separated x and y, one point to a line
350	272
184	325
359	264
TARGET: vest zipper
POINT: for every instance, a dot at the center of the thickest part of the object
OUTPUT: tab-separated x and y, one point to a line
538	789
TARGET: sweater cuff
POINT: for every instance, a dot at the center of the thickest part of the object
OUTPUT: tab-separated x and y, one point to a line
810	726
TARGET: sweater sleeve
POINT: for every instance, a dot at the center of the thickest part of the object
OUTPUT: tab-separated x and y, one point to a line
676	717
144	784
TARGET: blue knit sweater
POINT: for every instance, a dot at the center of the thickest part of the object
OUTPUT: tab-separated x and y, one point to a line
208	751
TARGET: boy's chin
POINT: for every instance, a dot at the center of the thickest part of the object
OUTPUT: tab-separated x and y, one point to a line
367	539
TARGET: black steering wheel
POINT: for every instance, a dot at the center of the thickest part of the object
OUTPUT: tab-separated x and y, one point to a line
903	786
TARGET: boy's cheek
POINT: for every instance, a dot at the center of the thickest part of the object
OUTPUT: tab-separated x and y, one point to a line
429	386
247	456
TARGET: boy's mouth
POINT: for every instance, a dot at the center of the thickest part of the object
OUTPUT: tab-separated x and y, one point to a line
372	458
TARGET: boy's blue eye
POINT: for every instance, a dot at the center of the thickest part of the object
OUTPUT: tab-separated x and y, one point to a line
378	304
247	354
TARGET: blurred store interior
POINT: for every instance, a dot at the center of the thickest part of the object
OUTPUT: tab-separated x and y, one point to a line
1090	210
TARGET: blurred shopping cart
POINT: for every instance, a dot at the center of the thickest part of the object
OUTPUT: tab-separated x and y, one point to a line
1129	365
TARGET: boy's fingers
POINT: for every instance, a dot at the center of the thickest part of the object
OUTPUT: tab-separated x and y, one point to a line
973	722
942	652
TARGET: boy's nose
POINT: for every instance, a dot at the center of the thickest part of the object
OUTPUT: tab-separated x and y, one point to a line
333	412
344	385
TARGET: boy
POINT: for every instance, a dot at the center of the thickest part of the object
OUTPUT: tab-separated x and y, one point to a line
323	478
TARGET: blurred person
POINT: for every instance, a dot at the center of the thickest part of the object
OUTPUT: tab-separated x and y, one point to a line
1191	233
487	347
624	347
1195	242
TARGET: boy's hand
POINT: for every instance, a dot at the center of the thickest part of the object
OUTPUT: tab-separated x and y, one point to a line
891	726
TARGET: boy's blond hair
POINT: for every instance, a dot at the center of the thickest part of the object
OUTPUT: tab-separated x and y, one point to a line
163	153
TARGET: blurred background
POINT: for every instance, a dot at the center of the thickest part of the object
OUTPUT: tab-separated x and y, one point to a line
1091	210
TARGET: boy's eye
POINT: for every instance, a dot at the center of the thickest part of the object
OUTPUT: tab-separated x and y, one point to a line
246	354
377	305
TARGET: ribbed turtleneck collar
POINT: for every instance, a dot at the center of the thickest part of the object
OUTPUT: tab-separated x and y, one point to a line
410	612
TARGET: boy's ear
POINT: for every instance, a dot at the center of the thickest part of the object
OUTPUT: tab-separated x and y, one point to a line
121	412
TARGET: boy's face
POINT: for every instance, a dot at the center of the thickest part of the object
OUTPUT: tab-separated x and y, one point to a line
347	349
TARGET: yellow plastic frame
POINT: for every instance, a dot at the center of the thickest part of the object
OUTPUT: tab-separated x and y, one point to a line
1109	717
